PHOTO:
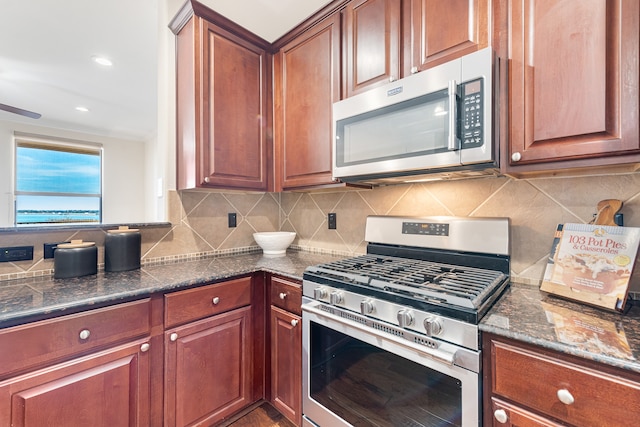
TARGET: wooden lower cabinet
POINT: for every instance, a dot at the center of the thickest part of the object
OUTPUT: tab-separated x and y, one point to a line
515	416
526	385
110	388
286	347
208	369
286	364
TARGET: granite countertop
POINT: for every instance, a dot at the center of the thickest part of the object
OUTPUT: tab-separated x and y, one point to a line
526	314
522	313
26	300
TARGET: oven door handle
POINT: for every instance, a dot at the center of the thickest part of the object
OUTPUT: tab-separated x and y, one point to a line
438	355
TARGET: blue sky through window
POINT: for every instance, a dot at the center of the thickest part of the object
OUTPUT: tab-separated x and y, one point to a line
50	171
71	177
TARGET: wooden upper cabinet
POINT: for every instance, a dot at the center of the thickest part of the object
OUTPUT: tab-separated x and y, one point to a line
573	83
307	83
372	44
438	31
223	114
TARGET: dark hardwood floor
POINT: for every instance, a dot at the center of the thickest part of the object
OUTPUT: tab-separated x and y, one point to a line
263	415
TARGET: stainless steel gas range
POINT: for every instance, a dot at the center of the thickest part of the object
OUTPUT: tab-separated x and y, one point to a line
391	337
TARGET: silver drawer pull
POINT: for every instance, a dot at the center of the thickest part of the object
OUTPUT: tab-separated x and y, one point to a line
294	322
282	295
173	337
145	347
84	334
565	396
216	300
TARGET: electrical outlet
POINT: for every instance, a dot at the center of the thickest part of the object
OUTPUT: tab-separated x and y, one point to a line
49	248
232	220
16	253
331	221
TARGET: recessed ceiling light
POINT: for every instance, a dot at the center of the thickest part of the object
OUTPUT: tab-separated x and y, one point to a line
102	60
83	109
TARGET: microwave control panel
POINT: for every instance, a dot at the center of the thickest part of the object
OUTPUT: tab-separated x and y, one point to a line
472	113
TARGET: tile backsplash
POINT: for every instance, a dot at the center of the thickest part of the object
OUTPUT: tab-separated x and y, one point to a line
199	224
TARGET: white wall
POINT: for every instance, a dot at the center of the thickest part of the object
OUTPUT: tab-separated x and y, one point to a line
138	174
167	90
124	174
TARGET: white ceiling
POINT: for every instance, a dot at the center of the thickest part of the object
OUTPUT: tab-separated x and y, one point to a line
46	49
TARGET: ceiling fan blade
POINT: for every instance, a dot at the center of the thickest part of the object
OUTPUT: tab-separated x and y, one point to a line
20	111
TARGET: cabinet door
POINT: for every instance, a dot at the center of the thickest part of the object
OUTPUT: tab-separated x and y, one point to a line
223	113
573	72
286	364
307	83
106	389
372	44
439	31
208	369
506	415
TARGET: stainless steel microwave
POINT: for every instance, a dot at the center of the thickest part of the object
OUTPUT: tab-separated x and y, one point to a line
434	124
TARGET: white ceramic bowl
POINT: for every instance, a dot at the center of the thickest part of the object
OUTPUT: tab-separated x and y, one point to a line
274	242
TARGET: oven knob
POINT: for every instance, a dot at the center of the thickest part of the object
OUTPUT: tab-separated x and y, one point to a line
320	293
405	318
367	306
336	298
432	326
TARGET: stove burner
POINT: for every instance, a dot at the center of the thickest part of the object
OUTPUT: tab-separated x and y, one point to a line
419	279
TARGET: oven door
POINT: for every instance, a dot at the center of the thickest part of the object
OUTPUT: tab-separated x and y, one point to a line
356	375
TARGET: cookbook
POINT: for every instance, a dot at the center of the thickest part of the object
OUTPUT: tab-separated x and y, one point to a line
593	264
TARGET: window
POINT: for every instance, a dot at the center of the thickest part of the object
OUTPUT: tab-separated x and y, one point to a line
57	183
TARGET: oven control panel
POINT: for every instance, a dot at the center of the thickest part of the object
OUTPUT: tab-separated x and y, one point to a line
425	228
432	328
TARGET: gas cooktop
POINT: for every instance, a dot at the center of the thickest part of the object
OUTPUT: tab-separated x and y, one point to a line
451	266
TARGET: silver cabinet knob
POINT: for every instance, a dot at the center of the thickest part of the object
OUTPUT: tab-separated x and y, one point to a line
282	295
173	337
501	416
207	179
216	300
84	334
145	347
565	396
405	318
392	79
516	157
294	322
414	69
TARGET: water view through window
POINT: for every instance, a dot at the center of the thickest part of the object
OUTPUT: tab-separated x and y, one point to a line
57	184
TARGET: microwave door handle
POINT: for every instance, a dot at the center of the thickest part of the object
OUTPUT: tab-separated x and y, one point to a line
454	142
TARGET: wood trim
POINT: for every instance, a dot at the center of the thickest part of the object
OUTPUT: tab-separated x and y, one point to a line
335	7
192	7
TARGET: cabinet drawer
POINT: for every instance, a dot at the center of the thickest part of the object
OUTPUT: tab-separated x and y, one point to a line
198	303
286	295
26	346
542	383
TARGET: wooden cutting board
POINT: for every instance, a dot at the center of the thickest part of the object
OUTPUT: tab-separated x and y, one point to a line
607	209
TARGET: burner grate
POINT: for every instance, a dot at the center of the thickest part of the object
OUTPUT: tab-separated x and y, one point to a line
423	280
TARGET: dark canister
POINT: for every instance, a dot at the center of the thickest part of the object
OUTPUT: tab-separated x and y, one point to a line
75	259
122	249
